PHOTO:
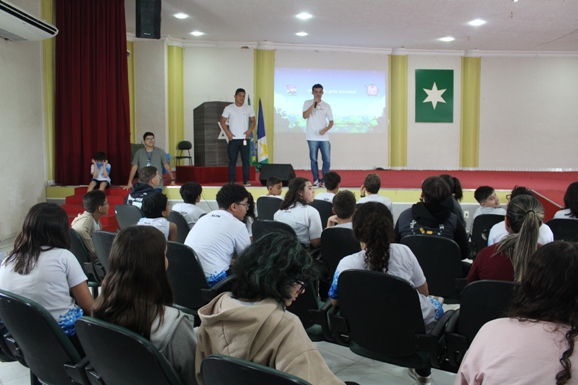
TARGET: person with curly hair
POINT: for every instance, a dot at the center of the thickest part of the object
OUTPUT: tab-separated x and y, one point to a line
136	294
252	322
535	344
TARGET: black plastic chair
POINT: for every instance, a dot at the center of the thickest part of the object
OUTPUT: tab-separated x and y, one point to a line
482	301
336	243
121	357
564	229
325	209
313	314
218	369
102	241
380	317
481	231
42	344
440	260
184	145
182	225
263	227
78	248
127	215
267	207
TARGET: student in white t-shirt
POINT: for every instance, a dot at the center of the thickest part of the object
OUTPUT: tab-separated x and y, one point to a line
343	208
489	202
156	210
42	268
570	210
296	212
369	192
332	182
191	194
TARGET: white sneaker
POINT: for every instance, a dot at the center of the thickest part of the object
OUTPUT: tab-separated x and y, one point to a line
419	379
316	184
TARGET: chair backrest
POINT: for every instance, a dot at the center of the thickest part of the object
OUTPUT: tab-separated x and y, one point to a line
267	207
440	260
564	229
324	208
102	241
262	227
383	312
45	347
182	225
483	301
127	215
481	229
186	276
78	248
218	369
184	145
337	243
121	356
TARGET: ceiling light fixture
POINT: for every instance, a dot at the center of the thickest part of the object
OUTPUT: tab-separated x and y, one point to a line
181	15
304	16
197	33
447	38
301	34
477	22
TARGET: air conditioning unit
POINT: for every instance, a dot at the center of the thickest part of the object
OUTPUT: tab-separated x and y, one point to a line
18	25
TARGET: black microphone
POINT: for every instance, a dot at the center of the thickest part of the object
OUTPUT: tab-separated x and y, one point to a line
315	105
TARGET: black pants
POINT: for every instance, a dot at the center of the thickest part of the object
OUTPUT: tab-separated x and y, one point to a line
233	148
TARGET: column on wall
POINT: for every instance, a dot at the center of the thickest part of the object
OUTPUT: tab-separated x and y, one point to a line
398	109
470	111
48	79
130	64
264	90
176	95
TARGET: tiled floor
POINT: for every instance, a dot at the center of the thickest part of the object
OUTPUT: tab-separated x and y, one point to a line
347	365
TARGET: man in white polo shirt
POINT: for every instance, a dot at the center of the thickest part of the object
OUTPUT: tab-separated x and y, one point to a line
238	131
219	235
319	121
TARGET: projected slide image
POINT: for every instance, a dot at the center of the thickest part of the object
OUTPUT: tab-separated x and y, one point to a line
357	99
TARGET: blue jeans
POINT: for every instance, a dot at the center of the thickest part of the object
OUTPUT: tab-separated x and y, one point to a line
233	148
325	147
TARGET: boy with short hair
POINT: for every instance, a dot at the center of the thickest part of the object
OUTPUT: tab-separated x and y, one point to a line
149	179
274	187
489	201
156	210
95	205
369	192
343	208
332	181
100	171
191	194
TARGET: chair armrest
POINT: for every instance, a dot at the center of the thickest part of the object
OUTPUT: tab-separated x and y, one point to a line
320	317
339	327
438	349
453	322
77	372
209	294
457	344
15	350
93	377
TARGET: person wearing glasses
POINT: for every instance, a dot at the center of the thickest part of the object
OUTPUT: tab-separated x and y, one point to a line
95	205
252	323
499	231
150	156
219	235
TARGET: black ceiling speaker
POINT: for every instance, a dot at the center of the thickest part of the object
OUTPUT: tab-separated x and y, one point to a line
148	19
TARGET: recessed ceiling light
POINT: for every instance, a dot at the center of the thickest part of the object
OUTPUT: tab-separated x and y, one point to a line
304	16
181	15
477	22
447	38
301	34
197	33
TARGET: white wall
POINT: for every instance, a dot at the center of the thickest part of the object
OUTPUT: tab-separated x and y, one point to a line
213	74
22	154
150	91
433	146
529	113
